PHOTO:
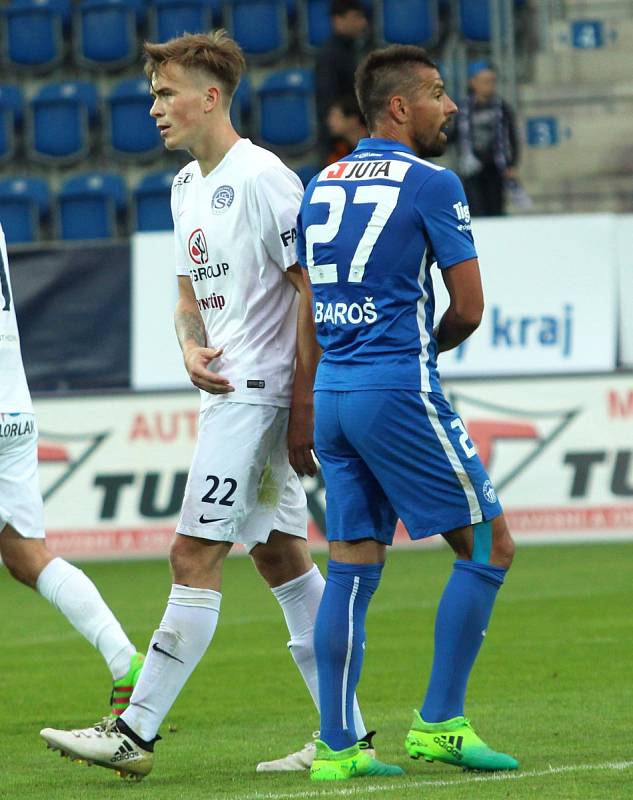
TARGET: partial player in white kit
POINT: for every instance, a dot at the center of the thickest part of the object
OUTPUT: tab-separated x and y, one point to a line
240	296
22	544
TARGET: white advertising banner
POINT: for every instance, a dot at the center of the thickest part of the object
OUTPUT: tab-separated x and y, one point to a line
551	301
156	360
560	452
550	286
624	241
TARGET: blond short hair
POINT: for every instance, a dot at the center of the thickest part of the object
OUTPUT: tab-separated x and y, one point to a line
214	53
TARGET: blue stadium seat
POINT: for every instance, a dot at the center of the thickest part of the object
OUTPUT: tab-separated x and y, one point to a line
315	26
260	27
11	109
105	32
23	203
131	130
152	202
306	173
406	21
89	204
241	106
285	110
169	18
34	33
60	117
474	19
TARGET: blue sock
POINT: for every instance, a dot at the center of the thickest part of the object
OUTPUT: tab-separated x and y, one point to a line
460	627
339	642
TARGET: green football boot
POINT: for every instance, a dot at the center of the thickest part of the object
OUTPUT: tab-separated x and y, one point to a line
123	688
341	765
454	742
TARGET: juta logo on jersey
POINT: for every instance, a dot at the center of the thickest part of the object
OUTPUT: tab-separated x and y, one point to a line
198	250
222	199
365	171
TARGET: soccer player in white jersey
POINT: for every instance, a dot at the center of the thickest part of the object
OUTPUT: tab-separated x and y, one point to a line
241	294
371	227
22	543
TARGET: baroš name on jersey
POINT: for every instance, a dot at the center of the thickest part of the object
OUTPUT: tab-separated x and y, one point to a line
346	313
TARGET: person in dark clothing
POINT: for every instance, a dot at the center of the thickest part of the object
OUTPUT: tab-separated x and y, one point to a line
346	125
337	60
488	143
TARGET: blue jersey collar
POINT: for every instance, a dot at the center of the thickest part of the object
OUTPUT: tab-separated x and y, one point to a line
382	144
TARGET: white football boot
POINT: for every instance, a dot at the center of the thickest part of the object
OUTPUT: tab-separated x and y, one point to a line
302	759
104	745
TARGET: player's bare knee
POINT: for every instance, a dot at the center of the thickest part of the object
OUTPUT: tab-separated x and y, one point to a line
502	552
23	558
268	561
194	560
282	558
503	546
22	569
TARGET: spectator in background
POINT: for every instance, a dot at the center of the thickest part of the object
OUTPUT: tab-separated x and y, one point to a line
346	125
488	144
337	60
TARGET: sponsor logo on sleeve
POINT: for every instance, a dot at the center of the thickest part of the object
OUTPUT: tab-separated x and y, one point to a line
222	199
198	250
462	213
288	237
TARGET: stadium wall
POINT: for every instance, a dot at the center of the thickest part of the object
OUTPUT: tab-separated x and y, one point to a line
559	450
557	292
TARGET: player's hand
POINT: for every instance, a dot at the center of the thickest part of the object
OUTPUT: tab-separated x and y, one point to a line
301	439
197	361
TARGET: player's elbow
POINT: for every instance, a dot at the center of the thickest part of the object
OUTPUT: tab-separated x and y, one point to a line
469	316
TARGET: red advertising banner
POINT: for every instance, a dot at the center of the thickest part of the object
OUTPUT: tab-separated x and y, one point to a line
559	451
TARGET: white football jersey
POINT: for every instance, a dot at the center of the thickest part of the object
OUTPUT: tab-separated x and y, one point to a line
235	233
14	392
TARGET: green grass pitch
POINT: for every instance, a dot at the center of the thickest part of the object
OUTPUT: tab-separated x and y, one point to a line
552	685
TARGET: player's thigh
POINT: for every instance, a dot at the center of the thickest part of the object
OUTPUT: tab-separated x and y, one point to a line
20	499
234	444
356	505
419	450
276	531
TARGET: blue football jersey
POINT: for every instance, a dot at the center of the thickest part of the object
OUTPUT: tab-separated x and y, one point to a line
370	227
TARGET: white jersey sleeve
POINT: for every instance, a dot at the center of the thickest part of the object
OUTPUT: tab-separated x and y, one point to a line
181	253
278	195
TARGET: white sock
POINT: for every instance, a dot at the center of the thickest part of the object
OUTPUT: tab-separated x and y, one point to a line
299	600
72	592
181	640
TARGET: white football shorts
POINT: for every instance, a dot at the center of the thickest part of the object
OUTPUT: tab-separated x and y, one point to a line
20	499
241	485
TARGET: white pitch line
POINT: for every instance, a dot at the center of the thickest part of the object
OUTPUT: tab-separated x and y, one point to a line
363	788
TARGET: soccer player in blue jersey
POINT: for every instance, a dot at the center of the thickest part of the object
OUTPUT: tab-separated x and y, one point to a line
390	445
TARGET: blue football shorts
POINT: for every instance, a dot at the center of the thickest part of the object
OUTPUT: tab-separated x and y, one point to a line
397	453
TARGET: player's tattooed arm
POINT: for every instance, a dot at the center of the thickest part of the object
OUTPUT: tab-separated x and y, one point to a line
192	337
189	328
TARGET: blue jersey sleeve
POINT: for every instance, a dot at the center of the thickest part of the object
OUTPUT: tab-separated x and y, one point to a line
443	207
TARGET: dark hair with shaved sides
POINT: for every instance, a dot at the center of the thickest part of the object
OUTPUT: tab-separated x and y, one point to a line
214	53
385	73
